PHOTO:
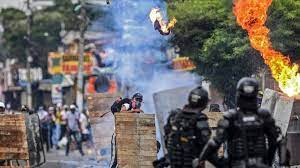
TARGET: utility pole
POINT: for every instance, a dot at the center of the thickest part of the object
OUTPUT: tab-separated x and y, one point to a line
80	80
28	52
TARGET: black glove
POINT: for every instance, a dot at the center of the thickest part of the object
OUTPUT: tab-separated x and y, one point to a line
161	163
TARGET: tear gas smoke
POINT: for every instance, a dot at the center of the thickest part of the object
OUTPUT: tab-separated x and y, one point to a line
138	52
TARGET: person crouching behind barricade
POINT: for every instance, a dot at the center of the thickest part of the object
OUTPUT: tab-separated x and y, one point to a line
133	105
125	107
2	111
2	108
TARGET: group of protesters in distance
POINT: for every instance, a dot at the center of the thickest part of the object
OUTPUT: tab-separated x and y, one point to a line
59	124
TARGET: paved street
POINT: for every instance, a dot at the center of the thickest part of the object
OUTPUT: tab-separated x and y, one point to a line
57	159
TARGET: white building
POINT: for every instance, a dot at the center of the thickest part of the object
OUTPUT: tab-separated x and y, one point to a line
21	4
39	4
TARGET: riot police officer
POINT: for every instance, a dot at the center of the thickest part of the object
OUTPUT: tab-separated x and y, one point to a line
186	132
250	132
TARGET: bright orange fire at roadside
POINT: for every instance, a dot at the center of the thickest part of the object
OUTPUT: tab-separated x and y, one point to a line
252	15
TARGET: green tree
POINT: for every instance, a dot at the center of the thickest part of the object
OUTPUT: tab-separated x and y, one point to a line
207	32
14	24
46	30
284	22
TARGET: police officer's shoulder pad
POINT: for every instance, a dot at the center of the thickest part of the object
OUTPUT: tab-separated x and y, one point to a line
264	113
174	112
202	116
230	114
202	124
223	123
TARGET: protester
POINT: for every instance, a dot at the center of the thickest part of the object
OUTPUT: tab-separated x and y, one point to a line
63	123
125	107
25	109
2	111
44	122
84	126
73	129
135	103
58	121
53	128
2	108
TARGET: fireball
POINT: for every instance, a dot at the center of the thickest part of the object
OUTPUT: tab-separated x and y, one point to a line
159	24
251	15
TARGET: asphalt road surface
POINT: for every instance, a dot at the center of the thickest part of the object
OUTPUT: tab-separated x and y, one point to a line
57	159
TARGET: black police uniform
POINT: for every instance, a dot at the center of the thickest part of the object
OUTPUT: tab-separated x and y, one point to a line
250	132
188	135
186	132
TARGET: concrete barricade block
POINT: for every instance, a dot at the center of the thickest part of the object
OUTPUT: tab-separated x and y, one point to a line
135	140
102	123
13	138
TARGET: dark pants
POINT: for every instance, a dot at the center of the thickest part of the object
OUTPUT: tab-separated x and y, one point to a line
2	162
63	129
75	135
45	138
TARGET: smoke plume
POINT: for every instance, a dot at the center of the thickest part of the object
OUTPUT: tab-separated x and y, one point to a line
138	52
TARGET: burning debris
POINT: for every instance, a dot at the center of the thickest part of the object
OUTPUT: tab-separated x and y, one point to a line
159	24
252	15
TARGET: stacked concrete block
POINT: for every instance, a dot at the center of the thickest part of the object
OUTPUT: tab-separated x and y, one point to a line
135	140
13	139
102	122
99	104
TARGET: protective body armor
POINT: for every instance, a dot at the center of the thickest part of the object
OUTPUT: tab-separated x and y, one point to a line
187	132
246	139
251	139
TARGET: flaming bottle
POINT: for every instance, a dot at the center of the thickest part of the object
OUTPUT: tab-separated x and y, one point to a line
159	24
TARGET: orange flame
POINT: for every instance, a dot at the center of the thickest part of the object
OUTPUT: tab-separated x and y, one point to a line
252	15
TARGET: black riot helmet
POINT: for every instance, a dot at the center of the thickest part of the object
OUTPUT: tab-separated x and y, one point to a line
138	97
246	94
198	98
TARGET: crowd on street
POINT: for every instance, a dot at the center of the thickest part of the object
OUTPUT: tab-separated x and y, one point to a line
62	125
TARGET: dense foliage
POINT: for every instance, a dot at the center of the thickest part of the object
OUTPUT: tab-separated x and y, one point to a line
46	28
207	32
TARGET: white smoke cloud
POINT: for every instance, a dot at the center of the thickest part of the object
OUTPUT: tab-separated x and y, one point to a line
138	51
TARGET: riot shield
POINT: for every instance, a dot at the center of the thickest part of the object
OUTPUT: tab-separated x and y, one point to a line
35	144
